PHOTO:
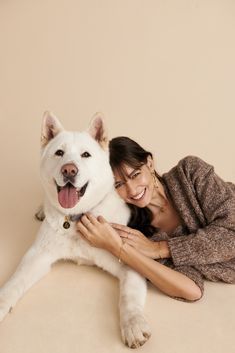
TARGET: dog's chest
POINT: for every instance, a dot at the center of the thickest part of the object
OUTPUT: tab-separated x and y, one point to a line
63	243
74	246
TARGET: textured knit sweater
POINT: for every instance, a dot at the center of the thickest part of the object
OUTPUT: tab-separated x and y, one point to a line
203	246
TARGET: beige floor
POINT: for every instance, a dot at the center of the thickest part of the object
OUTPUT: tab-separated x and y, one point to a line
75	309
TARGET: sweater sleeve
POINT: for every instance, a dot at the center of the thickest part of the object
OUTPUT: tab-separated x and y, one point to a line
215	241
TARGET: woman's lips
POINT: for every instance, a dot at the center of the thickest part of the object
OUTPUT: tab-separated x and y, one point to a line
139	196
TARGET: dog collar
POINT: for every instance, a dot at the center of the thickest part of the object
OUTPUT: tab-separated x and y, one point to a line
71	218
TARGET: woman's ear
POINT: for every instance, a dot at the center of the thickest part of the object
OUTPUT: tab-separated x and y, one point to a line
150	164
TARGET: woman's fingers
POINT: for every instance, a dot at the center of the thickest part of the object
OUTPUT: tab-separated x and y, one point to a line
126	235
127	230
83	230
101	219
121	227
93	220
124	229
131	243
81	227
123	233
86	221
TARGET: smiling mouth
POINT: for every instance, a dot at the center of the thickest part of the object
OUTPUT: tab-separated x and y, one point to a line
69	195
139	196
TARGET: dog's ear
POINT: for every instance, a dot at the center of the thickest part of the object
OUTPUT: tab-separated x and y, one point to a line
98	130
50	128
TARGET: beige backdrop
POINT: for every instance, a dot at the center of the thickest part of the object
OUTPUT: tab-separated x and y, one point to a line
163	73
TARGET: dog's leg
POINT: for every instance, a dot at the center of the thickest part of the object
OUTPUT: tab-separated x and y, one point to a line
33	266
134	327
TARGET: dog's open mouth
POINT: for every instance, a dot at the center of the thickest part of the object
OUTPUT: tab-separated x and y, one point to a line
69	195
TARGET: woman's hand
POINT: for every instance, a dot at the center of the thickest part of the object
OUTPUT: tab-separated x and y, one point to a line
149	248
99	233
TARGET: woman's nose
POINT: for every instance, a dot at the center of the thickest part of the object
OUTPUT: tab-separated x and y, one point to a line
130	187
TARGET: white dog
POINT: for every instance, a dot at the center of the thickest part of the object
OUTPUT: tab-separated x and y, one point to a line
77	178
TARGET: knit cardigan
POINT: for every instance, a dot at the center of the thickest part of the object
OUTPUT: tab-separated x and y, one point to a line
203	246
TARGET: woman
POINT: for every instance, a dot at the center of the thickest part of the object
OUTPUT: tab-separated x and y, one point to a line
188	213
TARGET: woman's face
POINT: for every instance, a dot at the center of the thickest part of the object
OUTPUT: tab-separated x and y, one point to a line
136	186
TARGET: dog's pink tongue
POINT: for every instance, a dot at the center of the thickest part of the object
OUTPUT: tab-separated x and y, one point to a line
68	196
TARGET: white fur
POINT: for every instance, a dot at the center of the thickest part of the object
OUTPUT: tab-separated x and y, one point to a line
53	242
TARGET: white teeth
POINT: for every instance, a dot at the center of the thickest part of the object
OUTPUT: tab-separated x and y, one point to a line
139	196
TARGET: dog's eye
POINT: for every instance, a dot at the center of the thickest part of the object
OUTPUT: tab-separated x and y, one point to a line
85	154
59	153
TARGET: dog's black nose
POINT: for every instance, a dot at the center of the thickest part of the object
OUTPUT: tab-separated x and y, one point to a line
69	170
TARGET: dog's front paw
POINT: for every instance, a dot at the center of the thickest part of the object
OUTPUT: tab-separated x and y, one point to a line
135	331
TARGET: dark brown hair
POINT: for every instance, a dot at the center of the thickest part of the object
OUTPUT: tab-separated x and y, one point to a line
125	151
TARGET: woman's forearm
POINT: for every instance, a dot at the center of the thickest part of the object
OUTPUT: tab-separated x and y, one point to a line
169	281
101	234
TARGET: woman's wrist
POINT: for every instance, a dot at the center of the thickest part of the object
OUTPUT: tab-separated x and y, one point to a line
162	250
116	247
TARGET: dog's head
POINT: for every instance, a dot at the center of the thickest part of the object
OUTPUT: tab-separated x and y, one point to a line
75	168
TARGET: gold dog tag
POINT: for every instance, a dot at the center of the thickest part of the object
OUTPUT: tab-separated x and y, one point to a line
66	223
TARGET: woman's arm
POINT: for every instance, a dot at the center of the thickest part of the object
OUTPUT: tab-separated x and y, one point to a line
213	203
169	281
100	233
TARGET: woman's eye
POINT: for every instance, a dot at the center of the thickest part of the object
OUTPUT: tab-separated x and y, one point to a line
135	175
59	153
118	185
85	154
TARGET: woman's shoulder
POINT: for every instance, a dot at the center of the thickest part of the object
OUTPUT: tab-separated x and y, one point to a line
188	170
189	167
194	164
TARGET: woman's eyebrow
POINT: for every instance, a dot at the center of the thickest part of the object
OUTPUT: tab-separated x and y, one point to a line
133	172
119	180
126	176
